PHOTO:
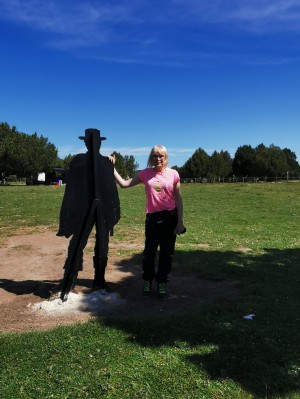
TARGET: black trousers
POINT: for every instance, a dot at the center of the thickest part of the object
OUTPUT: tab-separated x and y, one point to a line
159	232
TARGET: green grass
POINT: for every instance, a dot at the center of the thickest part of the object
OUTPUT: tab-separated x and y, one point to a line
247	234
28	207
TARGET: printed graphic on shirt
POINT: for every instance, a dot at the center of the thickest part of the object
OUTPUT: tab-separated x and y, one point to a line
157	187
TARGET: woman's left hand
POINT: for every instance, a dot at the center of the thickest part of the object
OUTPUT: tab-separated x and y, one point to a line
180	229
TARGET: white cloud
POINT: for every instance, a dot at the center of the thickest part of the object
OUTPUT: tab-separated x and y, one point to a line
135	151
177	156
78	24
90	23
64	151
256	15
184	150
155	33
138	151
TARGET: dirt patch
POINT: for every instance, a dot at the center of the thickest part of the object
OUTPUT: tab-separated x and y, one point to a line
244	249
31	268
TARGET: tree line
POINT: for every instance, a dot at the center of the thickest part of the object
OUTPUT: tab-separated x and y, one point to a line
260	161
25	155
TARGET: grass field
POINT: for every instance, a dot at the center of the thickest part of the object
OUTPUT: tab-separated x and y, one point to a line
245	233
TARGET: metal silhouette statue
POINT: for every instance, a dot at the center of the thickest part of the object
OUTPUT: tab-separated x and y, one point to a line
90	199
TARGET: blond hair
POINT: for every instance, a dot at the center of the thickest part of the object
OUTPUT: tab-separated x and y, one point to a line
161	150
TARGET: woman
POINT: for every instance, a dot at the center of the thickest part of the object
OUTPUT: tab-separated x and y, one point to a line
164	216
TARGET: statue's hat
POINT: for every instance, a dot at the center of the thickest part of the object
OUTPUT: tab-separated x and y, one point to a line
89	132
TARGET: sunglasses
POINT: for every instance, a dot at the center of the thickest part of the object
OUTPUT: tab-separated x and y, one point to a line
157	156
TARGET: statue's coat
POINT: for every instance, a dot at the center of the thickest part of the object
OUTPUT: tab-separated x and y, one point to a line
80	193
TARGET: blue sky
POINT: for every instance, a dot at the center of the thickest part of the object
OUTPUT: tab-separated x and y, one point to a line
183	73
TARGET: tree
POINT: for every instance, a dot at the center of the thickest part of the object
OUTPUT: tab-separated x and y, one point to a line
270	161
219	164
24	155
227	163
263	161
291	159
66	162
196	165
244	162
126	166
6	142
41	156
277	162
130	165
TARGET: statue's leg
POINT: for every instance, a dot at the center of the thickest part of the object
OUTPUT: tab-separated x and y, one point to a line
100	255
75	252
72	247
74	261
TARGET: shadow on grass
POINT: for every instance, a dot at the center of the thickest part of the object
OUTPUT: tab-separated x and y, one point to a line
261	355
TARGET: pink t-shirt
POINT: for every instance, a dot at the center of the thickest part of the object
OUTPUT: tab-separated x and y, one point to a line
159	187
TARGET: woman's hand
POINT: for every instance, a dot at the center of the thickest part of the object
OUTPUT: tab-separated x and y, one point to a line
180	229
112	159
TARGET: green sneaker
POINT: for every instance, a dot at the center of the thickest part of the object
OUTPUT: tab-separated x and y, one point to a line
147	286
162	290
